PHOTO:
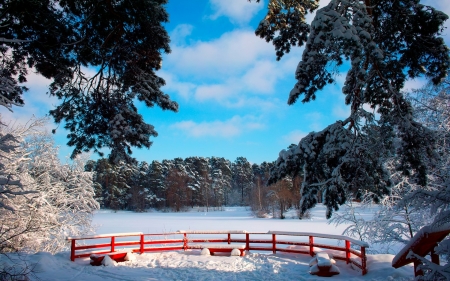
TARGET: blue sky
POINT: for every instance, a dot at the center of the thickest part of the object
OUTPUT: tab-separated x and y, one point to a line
232	93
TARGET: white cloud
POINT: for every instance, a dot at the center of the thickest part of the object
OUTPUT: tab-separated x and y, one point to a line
218	92
230	54
180	32
261	78
339	111
237	11
238	69
182	89
314	120
294	137
413	84
228	128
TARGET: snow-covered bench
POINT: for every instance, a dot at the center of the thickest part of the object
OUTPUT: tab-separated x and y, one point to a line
99	259
233	249
323	265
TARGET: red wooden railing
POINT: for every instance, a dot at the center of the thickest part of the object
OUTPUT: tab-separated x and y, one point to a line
157	245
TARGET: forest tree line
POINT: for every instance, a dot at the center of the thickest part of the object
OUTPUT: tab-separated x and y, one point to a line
179	184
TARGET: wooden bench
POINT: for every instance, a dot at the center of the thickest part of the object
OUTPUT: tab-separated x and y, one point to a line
96	259
323	265
219	248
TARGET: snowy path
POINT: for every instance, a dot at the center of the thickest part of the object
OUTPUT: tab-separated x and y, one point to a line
192	266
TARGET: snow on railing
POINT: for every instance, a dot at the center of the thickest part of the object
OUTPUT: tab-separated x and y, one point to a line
185	243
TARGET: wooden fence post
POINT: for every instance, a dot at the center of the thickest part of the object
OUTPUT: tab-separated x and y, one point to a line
185	241
72	250
363	260
417	271
274	243
247	241
311	246
434	256
229	238
347	251
141	249
112	243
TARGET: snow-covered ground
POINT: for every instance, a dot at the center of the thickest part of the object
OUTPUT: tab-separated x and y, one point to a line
190	265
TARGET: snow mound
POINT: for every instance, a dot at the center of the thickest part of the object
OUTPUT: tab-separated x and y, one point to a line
235	252
130	257
314	269
107	261
205	252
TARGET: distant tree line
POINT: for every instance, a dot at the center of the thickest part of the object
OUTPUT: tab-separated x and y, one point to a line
179	184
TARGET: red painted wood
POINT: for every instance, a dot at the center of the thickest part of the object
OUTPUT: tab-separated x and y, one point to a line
162	249
222	250
238	240
363	260
253	241
164	242
293	251
274	244
96	259
141	245
293	243
112	243
97	246
261	248
356	253
208	240
247	242
72	250
434	256
337	248
347	251
127	243
417	272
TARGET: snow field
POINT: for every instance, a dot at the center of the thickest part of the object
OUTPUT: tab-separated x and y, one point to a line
191	265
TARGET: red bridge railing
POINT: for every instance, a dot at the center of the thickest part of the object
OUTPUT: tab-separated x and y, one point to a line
183	240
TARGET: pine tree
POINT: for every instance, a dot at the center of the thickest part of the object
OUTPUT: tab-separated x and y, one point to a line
33	34
242	177
121	40
386	43
157	175
221	179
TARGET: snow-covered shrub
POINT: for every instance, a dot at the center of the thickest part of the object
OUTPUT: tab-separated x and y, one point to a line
41	200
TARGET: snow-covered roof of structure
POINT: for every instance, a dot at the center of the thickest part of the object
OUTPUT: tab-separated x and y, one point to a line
422	243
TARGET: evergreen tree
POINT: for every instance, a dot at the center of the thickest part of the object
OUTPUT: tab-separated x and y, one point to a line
178	192
157	183
121	40
386	43
33	34
221	179
200	175
242	177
